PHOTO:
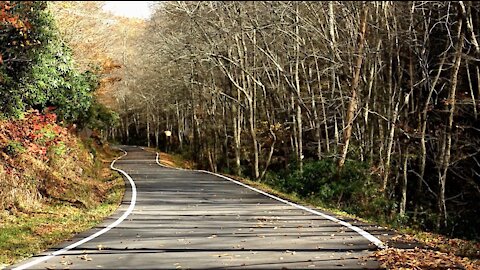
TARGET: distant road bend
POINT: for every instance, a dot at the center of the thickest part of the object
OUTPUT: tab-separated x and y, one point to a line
194	220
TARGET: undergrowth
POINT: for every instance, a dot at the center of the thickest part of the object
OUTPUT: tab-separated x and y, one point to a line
52	185
352	189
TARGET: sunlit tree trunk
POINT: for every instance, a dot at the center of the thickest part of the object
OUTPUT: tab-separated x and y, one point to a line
148	127
352	107
297	88
447	142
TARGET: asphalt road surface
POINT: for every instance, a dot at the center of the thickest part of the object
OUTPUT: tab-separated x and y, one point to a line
194	220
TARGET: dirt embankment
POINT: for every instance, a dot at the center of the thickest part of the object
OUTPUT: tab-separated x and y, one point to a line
52	185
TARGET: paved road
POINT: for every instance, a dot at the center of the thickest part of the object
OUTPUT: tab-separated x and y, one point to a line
186	219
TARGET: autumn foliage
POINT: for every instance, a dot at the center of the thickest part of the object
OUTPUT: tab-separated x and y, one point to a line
42	92
35	132
41	161
44	101
16	30
52	184
7	17
11	21
393	258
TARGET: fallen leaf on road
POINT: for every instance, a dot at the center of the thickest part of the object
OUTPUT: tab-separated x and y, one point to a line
85	257
66	263
223	255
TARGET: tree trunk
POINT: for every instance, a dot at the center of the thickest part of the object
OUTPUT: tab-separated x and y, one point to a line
472	93
297	88
148	129
390	142
180	125
423	130
237	131
137	123
403	201
316	125
251	120
442	209
157	137
270	153
331	24
352	107
324	113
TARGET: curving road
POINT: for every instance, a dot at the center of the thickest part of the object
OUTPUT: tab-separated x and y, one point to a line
194	220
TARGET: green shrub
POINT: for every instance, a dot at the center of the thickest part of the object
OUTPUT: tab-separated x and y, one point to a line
14	148
43	74
59	149
316	177
352	189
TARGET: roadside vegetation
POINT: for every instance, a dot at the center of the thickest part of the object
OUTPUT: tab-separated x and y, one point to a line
55	179
349	198
52	185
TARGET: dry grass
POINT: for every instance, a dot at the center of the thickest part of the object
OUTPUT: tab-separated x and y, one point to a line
46	197
29	230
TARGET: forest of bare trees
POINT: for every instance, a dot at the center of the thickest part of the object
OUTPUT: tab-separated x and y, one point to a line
250	88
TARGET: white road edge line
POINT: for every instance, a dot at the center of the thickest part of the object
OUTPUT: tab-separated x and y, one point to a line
377	242
93	236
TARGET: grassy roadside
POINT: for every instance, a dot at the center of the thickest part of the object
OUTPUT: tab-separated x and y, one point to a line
173	160
439	252
30	231
28	234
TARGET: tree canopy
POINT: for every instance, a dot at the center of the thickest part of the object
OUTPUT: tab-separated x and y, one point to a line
37	70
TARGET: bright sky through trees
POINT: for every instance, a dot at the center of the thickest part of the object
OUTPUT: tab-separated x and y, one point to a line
138	9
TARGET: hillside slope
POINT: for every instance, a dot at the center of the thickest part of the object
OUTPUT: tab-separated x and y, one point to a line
52	185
